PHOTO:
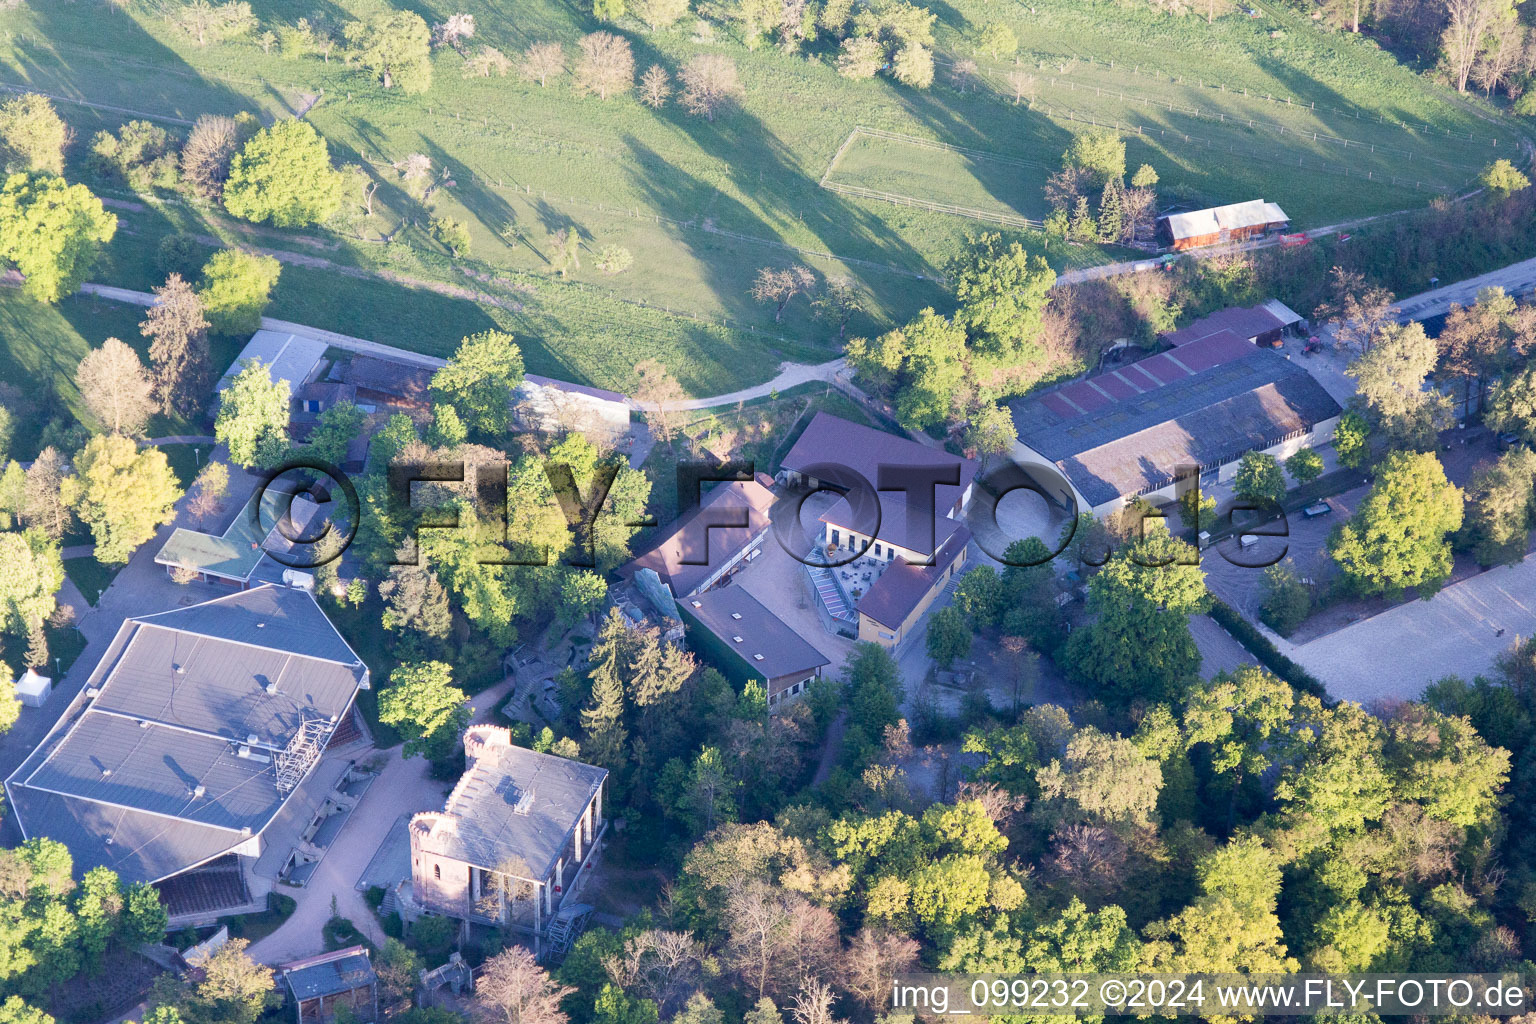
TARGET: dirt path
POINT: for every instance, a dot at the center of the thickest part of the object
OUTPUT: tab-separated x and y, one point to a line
96	106
830	747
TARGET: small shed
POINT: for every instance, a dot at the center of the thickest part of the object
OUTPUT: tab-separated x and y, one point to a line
319	985
33	689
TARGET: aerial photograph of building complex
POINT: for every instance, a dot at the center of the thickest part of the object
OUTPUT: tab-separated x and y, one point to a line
767	511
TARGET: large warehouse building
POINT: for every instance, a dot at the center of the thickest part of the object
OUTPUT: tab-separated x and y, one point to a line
196	731
1130	432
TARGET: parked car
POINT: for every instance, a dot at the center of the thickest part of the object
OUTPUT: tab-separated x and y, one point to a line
1247	541
1320	508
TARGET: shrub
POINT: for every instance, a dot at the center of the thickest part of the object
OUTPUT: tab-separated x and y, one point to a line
614	259
1268	655
179	253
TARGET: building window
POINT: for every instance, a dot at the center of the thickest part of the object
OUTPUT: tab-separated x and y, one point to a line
835	538
877	550
437	872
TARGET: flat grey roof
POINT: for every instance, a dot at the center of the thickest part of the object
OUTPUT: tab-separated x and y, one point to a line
276	617
115	760
481	825
767	646
139	846
148	754
289	357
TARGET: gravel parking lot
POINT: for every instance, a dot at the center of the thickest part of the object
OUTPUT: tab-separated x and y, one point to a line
1397	653
1305	541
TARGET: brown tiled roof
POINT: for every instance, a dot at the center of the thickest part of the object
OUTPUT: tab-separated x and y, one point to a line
389	378
1201	405
1246	323
685	541
902	586
829	438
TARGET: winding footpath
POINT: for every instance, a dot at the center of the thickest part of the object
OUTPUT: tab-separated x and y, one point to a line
790	374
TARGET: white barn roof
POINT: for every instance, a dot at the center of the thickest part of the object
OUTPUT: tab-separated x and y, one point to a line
1197	223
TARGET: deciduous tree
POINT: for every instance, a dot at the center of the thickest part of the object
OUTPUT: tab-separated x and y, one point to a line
659	14
710	83
122	493
284	175
1501	508
1138	645
479	381
115	387
396	48
32	135
1512	405
209	150
512	988
1398	538
949	636
51	232
424	705
541	62
237	286
253	417
659	394
44	507
31	573
1390	386
779	286
1259	478
1305	466
178	349
1002	291
606	66
338	427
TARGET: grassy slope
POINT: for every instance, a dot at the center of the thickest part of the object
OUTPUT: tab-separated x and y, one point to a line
702	205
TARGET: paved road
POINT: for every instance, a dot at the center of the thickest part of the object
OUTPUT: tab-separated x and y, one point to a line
403	786
789	375
1460	631
1515	279
342	341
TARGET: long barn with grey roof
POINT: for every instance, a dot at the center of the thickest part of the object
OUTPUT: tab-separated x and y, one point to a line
192	734
1131	432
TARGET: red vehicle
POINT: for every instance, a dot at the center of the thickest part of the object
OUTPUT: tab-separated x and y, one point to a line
1289	240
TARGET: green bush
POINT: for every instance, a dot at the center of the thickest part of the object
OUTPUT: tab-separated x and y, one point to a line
1267	653
179	253
432	937
340	933
375	896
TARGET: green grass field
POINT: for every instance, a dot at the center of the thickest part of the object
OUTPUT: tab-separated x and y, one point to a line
704	205
90	576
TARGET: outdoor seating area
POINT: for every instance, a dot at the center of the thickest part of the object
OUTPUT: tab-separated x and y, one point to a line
855	578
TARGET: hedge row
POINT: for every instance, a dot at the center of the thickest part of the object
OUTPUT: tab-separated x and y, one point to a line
1268	654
